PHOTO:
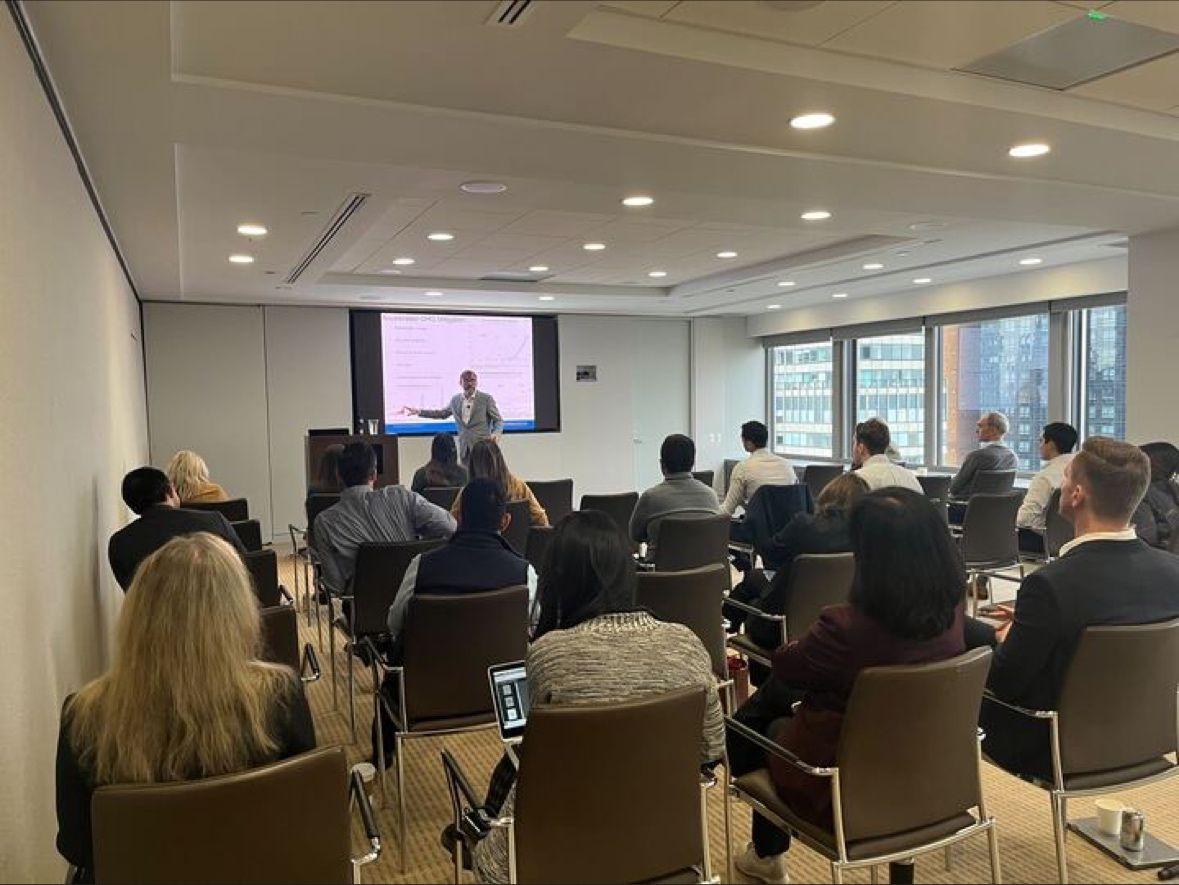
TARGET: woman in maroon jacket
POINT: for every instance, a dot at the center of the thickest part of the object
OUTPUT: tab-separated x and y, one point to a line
905	607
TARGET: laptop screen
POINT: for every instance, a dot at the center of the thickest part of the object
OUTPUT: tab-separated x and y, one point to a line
509	689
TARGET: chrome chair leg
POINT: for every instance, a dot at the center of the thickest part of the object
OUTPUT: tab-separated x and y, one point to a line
949	858
704	833
728	799
836	873
993	845
399	749
350	651
332	657
1059	824
874	875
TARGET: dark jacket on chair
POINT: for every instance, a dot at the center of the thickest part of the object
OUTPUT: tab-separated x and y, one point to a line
1098	582
158	525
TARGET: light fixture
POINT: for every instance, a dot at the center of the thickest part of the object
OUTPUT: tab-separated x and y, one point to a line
921	281
818	120
786	284
1031	149
594	247
433	294
657	274
1029	262
873	265
241	259
815	215
389	270
403	262
483	187
546	297
838	294
773	307
728	253
252	230
638	200
440	236
538	268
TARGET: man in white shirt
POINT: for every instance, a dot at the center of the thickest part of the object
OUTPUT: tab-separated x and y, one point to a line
872	464
761	468
1057	441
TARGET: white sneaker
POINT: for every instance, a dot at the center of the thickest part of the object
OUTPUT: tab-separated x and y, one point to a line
771	870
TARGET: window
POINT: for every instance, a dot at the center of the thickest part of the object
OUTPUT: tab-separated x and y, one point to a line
1103	373
996	365
890	385
801	387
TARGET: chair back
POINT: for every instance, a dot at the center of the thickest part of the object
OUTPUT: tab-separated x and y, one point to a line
539	537
618	507
555	496
234	510
286	822
988	529
936	486
1059	531
1117	705
317	503
517	531
704	476
263	568
817	580
280	636
647	811
908	752
816	476
693	598
380	568
441	496
993	482
449	642
249	532
690	540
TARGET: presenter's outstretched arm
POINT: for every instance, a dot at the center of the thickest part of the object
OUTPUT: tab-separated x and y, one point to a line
428	413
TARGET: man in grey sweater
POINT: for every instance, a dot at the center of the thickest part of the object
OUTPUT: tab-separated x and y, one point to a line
680	492
992	455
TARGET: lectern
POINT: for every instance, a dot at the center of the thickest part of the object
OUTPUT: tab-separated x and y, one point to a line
385	445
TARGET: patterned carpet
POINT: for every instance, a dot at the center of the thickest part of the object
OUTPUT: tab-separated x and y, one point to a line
1024	825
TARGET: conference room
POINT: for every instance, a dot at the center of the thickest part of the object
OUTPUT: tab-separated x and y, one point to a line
760	410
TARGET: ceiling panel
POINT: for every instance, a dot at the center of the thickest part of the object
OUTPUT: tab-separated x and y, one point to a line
649	8
556	223
947	35
1161	14
809	27
1154	85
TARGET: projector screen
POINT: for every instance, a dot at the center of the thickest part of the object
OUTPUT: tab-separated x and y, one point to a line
402	360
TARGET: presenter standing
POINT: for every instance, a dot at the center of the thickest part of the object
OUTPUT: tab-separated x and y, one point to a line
474	411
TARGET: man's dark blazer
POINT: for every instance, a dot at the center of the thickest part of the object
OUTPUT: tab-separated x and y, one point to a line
1100	582
158	525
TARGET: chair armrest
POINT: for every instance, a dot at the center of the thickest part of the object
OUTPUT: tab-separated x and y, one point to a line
310	662
457	778
754	611
286	595
356	785
1034	714
776	749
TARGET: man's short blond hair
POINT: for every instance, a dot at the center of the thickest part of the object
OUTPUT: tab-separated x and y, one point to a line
1114	474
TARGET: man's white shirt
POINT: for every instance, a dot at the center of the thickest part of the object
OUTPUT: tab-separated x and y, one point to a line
1033	512
761	468
879	473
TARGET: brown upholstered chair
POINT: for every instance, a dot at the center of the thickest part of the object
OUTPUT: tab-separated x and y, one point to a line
693	598
555	496
704	476
286	822
441	687
249	532
280	642
618	507
817	580
691	540
234	510
303	550
442	496
993	482
989	540
816	477
1058	531
936	486
263	568
646	822
1126	675
516	533
539	537
907	776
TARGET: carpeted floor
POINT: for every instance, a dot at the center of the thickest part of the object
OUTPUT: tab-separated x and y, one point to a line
1024	825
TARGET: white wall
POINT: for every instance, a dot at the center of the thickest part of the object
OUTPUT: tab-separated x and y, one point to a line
1152	338
728	389
71	396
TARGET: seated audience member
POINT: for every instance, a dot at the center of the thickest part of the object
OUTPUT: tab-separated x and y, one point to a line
443	469
364	513
189	475
1057	441
1105	575
992	455
761	468
680	492
486	461
870	460
151	496
592	646
1157	517
185	696
905	607
824	531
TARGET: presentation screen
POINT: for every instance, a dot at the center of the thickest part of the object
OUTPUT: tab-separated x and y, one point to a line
403	361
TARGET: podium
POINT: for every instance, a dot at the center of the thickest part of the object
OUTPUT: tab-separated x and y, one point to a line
385	446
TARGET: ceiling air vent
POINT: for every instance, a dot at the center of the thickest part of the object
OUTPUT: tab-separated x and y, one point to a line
510	13
348	208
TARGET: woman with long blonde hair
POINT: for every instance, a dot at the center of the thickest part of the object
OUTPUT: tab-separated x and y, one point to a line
185	697
486	461
190	477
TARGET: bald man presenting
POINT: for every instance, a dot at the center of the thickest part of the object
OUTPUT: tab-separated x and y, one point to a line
474	411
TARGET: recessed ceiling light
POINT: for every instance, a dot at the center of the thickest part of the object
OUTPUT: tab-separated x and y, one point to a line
838	294
728	253
252	230
921	281
657	274
433	294
594	247
873	265
1031	149
483	187
773	307
440	236
786	284
817	120
538	268
390	270
546	297
815	215
1028	262
927	225
241	259
638	200
403	262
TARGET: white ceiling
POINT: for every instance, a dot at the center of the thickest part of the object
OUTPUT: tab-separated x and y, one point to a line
194	117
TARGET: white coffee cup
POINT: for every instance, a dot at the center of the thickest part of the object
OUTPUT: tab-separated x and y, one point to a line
1109	816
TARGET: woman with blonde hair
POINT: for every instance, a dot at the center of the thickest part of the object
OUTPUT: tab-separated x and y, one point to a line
190	477
486	461
185	697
